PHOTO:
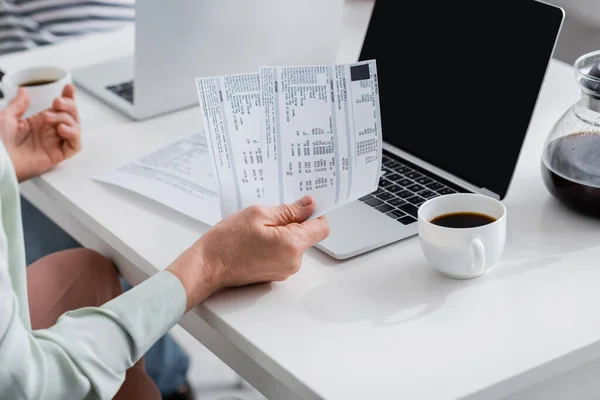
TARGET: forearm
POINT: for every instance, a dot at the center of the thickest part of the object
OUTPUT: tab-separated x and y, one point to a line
86	353
195	275
21	167
17	160
59	362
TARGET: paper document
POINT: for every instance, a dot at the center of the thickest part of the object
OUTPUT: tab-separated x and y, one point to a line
285	132
231	106
178	175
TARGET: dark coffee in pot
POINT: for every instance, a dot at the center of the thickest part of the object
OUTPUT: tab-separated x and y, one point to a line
571	171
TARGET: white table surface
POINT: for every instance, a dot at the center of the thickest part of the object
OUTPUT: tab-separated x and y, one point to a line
379	326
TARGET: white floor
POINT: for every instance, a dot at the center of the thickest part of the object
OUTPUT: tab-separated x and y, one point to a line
210	378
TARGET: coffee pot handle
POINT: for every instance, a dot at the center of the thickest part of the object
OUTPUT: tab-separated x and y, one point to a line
478	266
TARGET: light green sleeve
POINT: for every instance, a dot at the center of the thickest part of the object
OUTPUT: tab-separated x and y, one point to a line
86	353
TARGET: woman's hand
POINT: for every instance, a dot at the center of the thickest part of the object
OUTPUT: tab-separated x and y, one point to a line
38	143
258	244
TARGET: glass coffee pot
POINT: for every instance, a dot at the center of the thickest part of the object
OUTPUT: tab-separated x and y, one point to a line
571	156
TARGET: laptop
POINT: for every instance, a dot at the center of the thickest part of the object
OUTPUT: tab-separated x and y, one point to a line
458	84
177	41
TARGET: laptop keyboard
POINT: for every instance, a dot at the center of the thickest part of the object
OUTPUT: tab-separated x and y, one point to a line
124	90
403	188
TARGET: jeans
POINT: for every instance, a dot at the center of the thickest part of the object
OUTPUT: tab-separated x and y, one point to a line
166	362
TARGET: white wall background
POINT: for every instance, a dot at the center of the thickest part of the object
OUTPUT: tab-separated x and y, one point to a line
587	11
581	29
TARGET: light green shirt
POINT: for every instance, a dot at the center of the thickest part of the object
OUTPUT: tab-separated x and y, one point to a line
86	353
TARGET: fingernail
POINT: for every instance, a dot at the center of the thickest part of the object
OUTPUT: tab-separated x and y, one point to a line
303	202
48	115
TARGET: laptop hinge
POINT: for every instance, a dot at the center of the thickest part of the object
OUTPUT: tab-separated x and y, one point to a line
489	193
439	172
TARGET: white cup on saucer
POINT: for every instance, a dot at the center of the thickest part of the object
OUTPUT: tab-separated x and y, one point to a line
465	252
41	95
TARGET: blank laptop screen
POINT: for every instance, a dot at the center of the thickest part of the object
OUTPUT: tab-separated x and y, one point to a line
459	80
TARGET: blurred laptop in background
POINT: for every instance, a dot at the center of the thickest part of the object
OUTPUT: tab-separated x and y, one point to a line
177	41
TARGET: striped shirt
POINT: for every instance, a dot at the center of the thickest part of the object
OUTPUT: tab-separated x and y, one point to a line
25	24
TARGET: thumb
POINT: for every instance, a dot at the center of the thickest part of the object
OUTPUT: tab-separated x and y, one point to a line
19	104
295	212
315	231
69	91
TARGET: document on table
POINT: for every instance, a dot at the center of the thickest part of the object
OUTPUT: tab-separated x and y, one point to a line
178	175
294	131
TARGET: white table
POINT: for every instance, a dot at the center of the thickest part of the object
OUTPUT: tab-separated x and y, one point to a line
379	326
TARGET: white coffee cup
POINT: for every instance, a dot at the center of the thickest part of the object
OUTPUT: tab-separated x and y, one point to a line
462	253
40	96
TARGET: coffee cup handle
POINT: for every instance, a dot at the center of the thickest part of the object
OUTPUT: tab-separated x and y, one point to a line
478	266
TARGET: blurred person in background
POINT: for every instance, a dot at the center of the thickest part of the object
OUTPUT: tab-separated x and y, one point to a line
27	24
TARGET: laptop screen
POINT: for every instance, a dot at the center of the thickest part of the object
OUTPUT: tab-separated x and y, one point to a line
459	80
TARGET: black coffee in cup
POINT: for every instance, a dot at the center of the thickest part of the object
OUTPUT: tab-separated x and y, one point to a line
37	82
462	220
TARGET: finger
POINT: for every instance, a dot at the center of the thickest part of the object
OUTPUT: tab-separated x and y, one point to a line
71	137
19	104
315	231
290	213
55	118
69	92
67	132
66	104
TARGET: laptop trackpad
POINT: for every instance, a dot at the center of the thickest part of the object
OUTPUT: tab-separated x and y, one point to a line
357	227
